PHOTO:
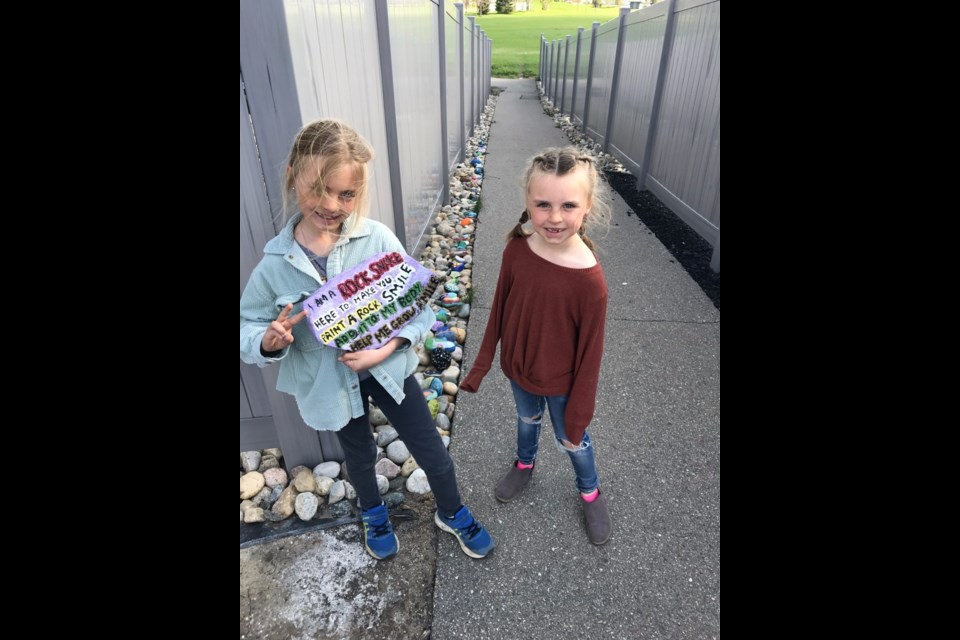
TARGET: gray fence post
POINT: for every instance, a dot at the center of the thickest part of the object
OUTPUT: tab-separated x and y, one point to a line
476	73
546	63
390	117
576	77
473	71
463	124
618	62
444	128
484	47
555	71
487	50
556	80
476	77
485	75
563	87
658	95
586	98
488	47
550	69
481	60
541	74
550	74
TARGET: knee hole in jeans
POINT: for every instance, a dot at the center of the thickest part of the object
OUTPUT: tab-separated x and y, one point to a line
562	446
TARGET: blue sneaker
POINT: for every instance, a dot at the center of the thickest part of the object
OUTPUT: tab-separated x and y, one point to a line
379	539
472	536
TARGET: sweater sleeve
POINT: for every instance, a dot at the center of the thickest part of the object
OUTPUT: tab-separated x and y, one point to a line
491	336
583	394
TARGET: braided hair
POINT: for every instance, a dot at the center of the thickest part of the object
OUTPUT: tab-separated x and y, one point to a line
561	161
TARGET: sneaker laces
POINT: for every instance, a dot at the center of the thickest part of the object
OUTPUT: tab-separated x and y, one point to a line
379	530
471	529
379	527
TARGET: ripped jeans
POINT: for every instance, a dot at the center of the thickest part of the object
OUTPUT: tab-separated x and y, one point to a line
529	419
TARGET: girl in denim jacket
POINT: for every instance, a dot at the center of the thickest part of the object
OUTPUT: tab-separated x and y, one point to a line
326	175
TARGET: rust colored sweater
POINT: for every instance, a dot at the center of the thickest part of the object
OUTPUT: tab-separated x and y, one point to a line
549	320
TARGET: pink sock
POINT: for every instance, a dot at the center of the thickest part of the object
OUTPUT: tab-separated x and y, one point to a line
590	497
521	465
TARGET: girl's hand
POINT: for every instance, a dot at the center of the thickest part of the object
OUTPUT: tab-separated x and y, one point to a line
278	335
361	360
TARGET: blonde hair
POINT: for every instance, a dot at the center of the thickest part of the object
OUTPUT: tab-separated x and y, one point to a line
329	145
561	161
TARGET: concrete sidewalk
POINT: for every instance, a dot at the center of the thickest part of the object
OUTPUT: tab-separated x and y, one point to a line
656	432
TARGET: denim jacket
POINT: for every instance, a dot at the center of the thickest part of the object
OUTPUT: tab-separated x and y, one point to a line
327	391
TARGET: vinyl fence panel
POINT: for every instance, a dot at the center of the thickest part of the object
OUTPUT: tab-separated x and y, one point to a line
600	94
685	162
413	41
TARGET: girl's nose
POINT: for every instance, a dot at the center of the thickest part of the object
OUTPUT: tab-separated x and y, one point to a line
329	203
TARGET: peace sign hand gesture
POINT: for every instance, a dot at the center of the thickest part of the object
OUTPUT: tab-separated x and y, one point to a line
278	335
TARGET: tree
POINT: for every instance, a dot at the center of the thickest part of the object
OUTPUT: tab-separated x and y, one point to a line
504	6
483	7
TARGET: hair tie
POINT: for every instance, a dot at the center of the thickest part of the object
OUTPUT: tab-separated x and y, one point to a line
524	217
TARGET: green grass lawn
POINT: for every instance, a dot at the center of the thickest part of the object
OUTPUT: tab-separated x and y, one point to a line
516	36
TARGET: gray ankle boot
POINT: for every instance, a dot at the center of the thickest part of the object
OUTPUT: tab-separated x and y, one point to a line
511	485
597	519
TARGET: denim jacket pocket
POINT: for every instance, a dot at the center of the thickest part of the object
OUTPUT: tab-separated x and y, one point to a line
297	297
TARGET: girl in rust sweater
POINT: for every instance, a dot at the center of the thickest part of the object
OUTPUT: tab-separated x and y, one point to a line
548	314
